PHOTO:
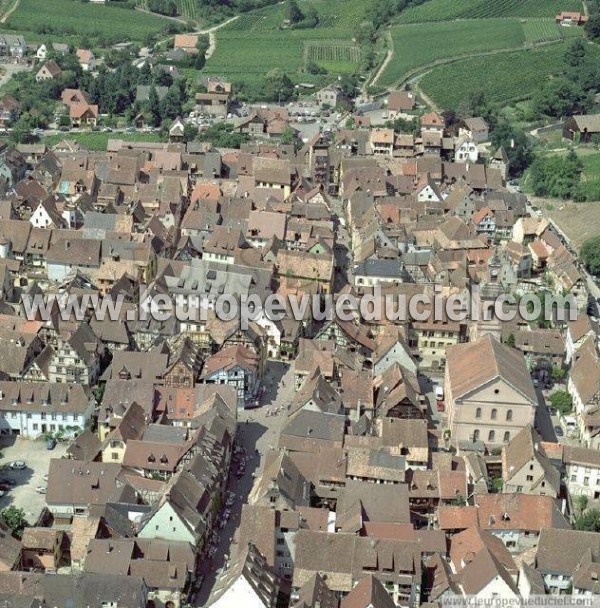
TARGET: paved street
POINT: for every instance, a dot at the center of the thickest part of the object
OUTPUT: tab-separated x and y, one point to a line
37	458
544	423
257	430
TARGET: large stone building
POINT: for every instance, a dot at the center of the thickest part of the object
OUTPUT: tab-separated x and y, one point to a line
489	393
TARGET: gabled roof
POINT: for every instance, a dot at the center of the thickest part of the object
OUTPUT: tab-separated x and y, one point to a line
472	365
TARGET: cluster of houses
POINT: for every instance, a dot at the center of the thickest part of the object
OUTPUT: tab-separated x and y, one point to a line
369	497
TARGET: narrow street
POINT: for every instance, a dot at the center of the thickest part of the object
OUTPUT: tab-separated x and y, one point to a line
257	430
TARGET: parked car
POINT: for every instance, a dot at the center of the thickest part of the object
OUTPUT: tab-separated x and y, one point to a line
559	432
17	465
41	489
8	482
2	493
51	444
4	487
552	411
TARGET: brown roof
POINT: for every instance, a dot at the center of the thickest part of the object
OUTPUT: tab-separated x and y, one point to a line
457	518
78	110
10	547
83	483
40	538
472	365
518	512
522	449
466	544
401	100
231	357
585	371
561	550
368	592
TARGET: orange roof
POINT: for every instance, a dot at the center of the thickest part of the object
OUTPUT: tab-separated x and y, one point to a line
450	518
210	192
77	110
539	249
482	213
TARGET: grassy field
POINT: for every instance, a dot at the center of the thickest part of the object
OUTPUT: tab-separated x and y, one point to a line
504	77
97	140
60	19
253	45
590	178
415	45
442	10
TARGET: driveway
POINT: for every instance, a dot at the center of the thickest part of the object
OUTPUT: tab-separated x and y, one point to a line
37	458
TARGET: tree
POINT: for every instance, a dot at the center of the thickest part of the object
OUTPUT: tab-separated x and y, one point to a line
556	176
154	106
558	374
581	503
510	340
515	143
292	12
575	53
171	105
288	136
21	131
559	97
562	401
14	518
312	67
592	27
190	132
589	521
279	87
590	255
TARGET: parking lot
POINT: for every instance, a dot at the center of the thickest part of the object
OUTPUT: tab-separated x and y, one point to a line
37	459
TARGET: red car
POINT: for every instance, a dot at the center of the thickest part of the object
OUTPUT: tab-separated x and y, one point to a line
440	405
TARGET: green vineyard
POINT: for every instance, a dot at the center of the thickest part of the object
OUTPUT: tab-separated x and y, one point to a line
515	74
324	51
443	10
541	31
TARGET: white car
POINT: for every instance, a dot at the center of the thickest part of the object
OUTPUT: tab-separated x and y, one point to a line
17	465
41	489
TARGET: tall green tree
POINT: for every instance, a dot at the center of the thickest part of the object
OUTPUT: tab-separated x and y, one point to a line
590	255
15	519
516	144
575	54
154	107
171	105
292	12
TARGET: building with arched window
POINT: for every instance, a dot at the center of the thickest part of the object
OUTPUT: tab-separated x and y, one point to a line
489	393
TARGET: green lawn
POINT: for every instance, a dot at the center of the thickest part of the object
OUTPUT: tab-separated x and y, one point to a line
97	140
253	45
421	44
60	19
442	10
590	178
504	77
